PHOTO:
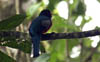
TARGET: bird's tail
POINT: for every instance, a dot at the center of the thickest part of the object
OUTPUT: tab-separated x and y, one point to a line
36	45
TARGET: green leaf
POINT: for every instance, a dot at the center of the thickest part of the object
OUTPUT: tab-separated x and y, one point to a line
72	43
84	21
87	42
12	22
81	8
42	58
96	57
58	24
78	8
57	51
24	46
98	1
5	58
52	4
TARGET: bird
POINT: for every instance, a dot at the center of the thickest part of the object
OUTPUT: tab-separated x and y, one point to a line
40	25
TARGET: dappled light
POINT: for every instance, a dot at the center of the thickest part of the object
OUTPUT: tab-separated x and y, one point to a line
73	36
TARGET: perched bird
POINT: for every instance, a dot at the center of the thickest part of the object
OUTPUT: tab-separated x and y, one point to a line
39	26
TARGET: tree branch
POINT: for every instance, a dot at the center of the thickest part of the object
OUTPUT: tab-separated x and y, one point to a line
48	36
93	50
72	35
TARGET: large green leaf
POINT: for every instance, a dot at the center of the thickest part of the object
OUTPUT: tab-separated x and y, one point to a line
12	22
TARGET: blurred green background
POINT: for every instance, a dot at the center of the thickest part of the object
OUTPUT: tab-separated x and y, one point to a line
68	16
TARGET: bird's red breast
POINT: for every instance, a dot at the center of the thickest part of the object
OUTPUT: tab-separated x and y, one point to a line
48	24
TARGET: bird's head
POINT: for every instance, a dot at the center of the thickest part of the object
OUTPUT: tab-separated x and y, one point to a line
46	12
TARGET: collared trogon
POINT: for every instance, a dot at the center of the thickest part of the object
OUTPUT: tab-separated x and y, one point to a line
39	26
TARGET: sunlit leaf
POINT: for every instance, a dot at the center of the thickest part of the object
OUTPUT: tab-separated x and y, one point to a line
58	23
58	50
87	42
84	21
33	9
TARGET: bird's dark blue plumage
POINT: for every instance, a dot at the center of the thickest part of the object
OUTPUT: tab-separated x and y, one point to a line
39	26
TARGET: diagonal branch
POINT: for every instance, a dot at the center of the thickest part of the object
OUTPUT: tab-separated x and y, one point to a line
93	50
49	36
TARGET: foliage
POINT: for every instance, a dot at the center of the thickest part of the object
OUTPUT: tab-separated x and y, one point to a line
23	46
12	22
52	4
5	58
59	50
32	10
